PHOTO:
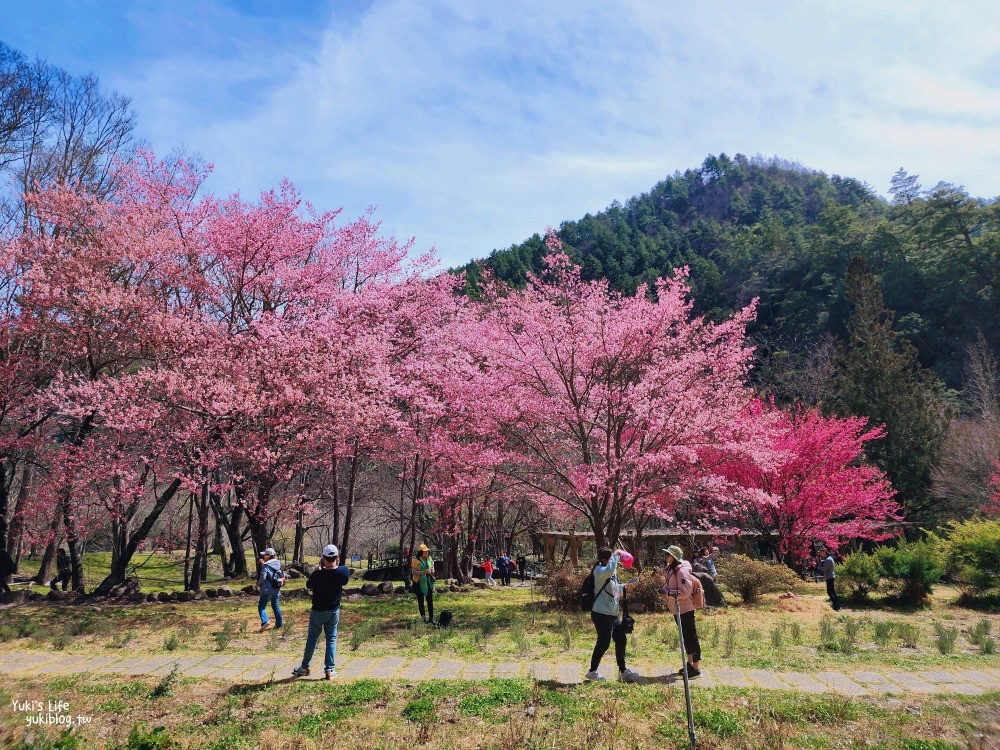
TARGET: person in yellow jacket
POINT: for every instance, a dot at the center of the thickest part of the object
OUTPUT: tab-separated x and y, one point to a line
422	571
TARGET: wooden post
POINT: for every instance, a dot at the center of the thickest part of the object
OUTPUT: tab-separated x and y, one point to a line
573	544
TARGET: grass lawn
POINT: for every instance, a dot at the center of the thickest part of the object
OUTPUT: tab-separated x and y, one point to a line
510	624
501	714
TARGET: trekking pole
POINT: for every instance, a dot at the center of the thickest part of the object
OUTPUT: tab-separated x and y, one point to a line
684	672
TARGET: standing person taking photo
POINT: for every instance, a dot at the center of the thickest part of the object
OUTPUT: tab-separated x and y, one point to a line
422	571
271	580
63	570
826	568
522	566
678	587
327	586
605	616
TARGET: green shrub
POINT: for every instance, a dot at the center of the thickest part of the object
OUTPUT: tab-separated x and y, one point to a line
8	633
729	647
884	630
946	638
750	579
171	642
858	576
420	710
980	632
562	585
165	687
827	631
777	638
366	631
989	646
224	636
27	628
972	556
61	640
796	630
912	569
910	634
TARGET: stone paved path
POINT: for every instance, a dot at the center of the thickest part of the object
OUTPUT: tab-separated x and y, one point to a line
236	668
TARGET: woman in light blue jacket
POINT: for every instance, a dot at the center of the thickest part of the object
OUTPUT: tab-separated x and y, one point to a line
605	615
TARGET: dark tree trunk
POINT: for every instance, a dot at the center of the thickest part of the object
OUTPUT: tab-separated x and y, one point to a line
352	483
187	543
231	522
17	522
72	541
335	531
131	544
201	544
258	519
4	502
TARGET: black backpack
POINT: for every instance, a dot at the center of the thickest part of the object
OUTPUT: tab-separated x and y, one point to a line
276	577
444	619
587	595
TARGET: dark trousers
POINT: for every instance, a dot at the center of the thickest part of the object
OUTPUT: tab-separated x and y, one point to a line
3	583
505	576
523	572
608	628
430	602
832	591
64	579
690	634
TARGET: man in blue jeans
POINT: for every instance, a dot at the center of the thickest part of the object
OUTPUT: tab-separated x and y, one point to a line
271	579
327	586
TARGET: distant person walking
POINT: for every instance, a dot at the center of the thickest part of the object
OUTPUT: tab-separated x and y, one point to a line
272	578
522	566
327	586
826	569
713	555
488	572
422	571
679	587
605	616
63	571
503	565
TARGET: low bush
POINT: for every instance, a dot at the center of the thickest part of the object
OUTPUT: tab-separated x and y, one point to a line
911	569
750	579
140	739
884	630
972	556
858	576
562	585
910	634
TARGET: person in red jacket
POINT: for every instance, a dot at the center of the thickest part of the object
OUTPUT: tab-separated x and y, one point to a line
488	570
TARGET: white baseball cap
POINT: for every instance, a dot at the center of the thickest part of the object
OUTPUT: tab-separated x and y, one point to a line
269	551
330	551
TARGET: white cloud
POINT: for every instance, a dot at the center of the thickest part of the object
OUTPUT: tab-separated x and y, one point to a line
472	126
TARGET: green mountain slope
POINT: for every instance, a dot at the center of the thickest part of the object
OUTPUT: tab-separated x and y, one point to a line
773	229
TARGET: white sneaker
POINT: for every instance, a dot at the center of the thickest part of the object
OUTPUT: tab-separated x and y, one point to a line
627	675
594	676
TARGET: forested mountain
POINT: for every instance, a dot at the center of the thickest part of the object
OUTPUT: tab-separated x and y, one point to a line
773	229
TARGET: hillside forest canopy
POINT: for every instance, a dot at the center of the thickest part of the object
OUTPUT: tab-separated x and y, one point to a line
750	344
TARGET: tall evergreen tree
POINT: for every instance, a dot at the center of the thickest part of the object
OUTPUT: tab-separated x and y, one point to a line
879	377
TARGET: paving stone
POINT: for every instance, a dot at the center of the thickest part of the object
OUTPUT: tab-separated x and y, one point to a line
244	662
507	669
119	667
226	673
446	669
731	678
979	677
63	664
876	682
766	679
385	667
911	682
540	670
34	659
417	669
200	670
476	670
353	668
148	666
840	682
183	664
802	682
569	674
97	662
218	661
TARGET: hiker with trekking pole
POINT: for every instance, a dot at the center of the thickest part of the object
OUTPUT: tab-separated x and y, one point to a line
685	595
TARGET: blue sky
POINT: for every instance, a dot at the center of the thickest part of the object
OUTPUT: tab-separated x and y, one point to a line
470	126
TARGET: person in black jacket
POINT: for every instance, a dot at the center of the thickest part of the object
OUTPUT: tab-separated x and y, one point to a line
7	569
327	586
63	570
